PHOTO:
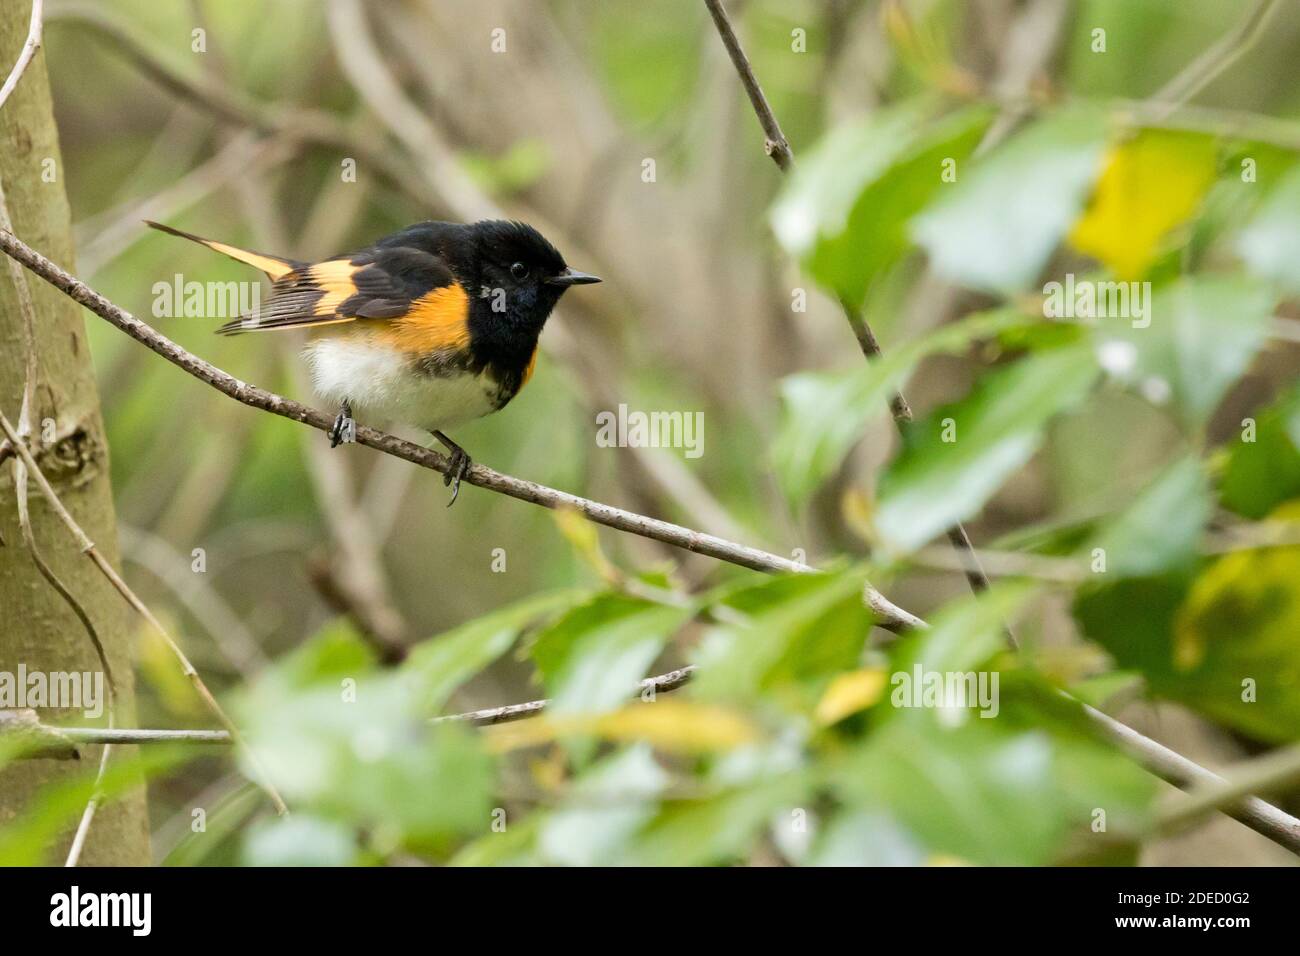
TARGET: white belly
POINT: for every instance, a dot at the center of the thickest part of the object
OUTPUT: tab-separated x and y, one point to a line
384	387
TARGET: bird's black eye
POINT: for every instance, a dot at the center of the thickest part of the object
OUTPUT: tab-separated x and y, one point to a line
519	271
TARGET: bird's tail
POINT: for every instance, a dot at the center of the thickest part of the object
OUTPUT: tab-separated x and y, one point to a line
273	266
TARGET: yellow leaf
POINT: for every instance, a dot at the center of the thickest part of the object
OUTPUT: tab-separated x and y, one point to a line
850	693
1247	599
857	509
581	534
1151	183
666	725
160	670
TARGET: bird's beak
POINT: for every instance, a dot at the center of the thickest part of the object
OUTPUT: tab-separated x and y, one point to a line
572	277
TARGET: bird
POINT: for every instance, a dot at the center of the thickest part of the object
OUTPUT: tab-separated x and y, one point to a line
432	326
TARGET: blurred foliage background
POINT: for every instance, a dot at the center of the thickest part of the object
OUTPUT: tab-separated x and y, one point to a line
1072	435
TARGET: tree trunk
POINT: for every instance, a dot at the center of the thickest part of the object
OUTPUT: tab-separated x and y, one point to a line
38	631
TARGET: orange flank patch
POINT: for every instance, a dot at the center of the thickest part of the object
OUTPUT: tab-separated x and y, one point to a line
532	364
437	321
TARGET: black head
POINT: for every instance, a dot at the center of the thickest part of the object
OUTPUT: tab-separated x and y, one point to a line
520	275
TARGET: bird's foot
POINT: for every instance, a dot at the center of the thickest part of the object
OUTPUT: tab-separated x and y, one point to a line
344	430
458	465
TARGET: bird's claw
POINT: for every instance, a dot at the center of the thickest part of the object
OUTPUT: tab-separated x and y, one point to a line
344	430
458	464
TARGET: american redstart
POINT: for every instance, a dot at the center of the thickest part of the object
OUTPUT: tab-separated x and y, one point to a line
432	326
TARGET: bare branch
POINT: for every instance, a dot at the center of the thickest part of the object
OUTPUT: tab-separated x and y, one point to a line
889	616
661	683
1169	765
501	715
776	145
1274	772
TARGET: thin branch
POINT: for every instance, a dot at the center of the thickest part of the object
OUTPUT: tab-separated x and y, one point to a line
889	616
775	145
1272	773
662	683
92	805
1171	766
1212	62
88	548
26	55
778	147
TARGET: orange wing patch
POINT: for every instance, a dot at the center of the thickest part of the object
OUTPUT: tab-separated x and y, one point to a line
437	321
334	278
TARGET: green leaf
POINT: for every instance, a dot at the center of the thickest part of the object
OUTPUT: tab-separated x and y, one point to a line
824	413
1200	335
715	829
1263	472
300	840
972	792
866	838
934	482
845	210
591	657
336	650
1270	242
1018	790
439	666
998	224
1162	526
513	846
363	752
1235	641
608	804
966	632
800	629
1224	645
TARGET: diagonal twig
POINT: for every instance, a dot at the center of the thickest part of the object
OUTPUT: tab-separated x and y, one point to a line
888	615
778	147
